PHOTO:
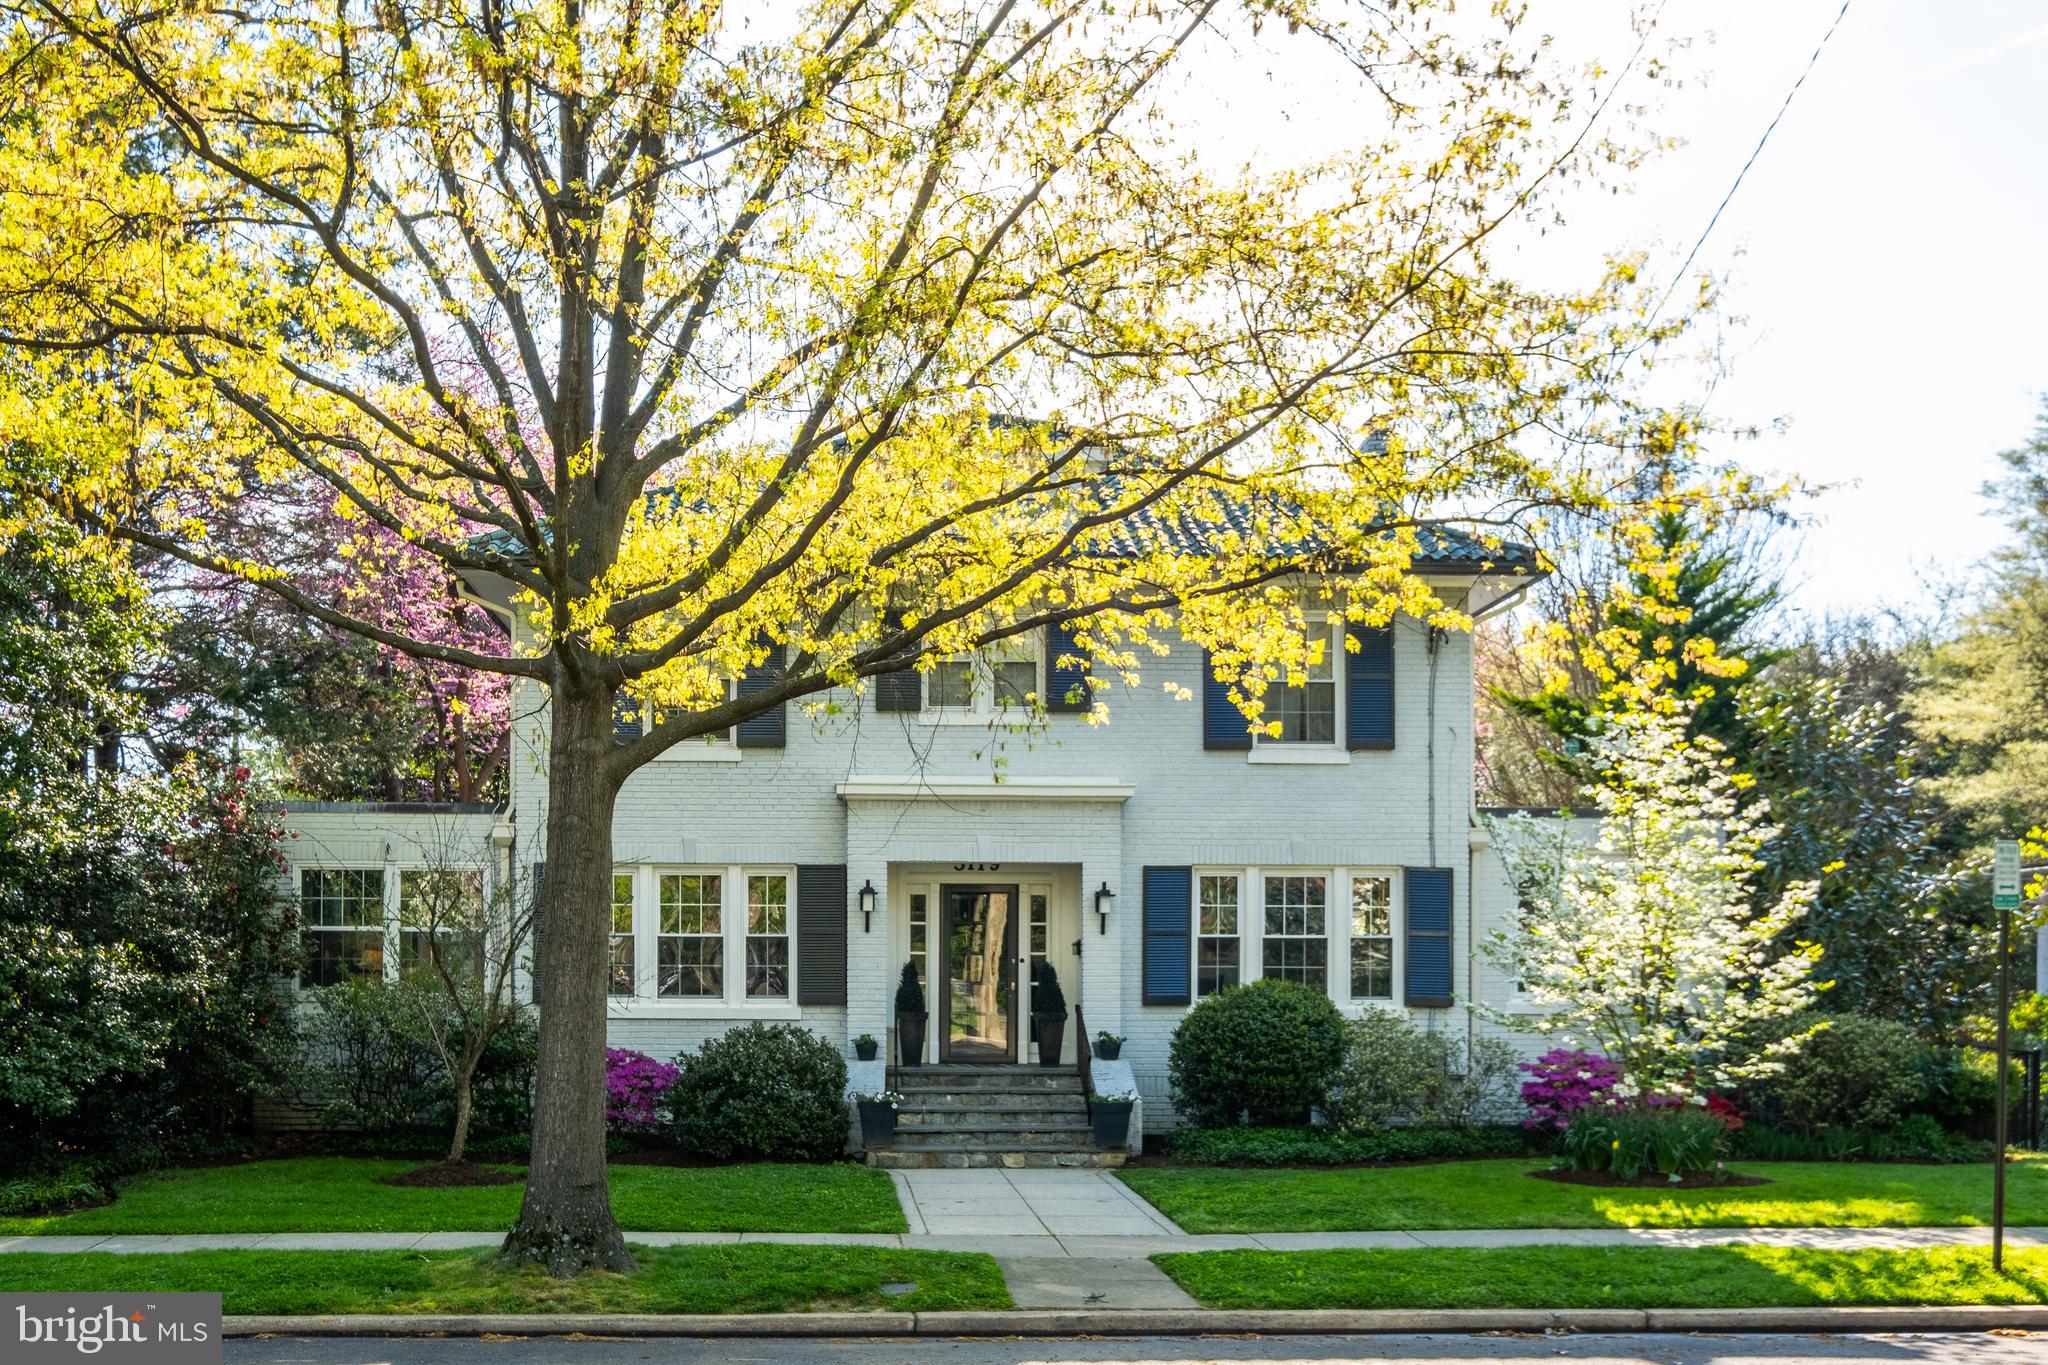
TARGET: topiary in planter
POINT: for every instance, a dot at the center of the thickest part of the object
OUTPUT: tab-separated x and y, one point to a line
1263	1053
762	1090
910	1017
1048	1012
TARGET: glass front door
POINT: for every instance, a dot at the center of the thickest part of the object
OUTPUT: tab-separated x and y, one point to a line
981	975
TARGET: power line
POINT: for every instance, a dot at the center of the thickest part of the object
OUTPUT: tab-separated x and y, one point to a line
1705	232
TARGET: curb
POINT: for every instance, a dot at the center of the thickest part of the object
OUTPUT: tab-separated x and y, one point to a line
1154	1322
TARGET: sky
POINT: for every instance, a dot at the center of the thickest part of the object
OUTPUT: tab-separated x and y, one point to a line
1886	287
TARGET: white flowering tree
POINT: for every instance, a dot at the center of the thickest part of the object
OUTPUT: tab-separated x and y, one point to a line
1646	943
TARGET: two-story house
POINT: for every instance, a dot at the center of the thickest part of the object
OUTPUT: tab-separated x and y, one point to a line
788	870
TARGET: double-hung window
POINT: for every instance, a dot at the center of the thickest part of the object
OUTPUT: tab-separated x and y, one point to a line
1217	945
623	970
1372	938
768	935
690	942
341	910
441	919
1000	680
1305	711
1295	942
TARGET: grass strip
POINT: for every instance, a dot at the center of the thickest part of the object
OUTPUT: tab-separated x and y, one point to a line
1606	1277
345	1194
1500	1194
738	1278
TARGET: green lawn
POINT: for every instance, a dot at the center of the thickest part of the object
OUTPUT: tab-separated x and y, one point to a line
1605	1277
1499	1194
749	1278
343	1194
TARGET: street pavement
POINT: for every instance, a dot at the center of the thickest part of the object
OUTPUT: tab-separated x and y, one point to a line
1889	1349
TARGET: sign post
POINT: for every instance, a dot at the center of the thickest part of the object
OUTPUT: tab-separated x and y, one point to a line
2005	898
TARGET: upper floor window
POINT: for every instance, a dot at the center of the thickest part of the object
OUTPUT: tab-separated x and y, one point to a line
996	680
1306	711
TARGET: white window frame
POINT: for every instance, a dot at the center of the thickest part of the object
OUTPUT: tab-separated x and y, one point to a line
1352	876
394	951
733	1000
981	708
717	747
1239	937
1270	749
387	923
1325	935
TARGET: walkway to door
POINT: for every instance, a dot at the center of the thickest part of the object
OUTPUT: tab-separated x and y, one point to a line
1051	1204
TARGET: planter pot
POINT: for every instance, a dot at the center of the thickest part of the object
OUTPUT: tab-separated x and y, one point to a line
865	1052
1051	1031
1109	1052
1112	1119
878	1123
910	1039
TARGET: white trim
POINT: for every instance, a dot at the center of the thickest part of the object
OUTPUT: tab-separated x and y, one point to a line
1287	752
983	789
633	1007
699	751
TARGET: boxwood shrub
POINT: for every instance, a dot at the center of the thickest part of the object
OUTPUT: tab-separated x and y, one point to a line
762	1090
1263	1054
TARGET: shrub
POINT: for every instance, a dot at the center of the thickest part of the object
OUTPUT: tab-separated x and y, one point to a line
1564	1084
1396	1073
1959	1089
635	1090
372	1053
1046	995
1263	1053
1322	1145
765	1090
909	991
1853	1072
1917	1137
1672	1139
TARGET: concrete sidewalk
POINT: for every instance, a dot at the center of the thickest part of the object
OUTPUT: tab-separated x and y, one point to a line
1078	1246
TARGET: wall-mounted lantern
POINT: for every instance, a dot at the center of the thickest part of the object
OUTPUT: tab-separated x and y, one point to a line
1102	905
867	906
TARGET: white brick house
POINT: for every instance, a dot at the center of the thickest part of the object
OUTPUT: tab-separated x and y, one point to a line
1149	860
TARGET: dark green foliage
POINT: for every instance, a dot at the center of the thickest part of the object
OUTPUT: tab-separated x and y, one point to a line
1264	1053
1394	1072
1853	1072
1842	778
767	1090
72	1186
142	958
1046	995
373	1058
1917	1137
909	991
1671	1140
1321	1145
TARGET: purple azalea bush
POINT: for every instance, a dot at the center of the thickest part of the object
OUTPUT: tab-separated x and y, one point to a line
1566	1083
635	1089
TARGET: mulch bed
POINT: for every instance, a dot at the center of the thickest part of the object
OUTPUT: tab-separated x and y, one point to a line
443	1175
1651	1180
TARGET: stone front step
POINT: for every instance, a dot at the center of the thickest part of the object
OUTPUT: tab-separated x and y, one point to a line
991	1120
992	1102
996	1139
925	1158
1014	1080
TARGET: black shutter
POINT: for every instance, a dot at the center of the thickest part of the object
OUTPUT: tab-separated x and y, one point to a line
1223	725
540	922
1428	900
770	729
821	935
626	717
1169	913
1067	686
902	690
1369	688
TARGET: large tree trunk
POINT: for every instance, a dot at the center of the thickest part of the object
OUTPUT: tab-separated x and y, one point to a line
566	1221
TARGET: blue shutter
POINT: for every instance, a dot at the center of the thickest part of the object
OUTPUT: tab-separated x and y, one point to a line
770	729
1428	902
1067	687
626	713
821	935
1223	725
1169	915
902	690
1369	688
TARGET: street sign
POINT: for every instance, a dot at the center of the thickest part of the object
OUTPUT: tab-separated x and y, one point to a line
2005	876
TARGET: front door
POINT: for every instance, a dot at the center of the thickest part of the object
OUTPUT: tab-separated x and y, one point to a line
979	1002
